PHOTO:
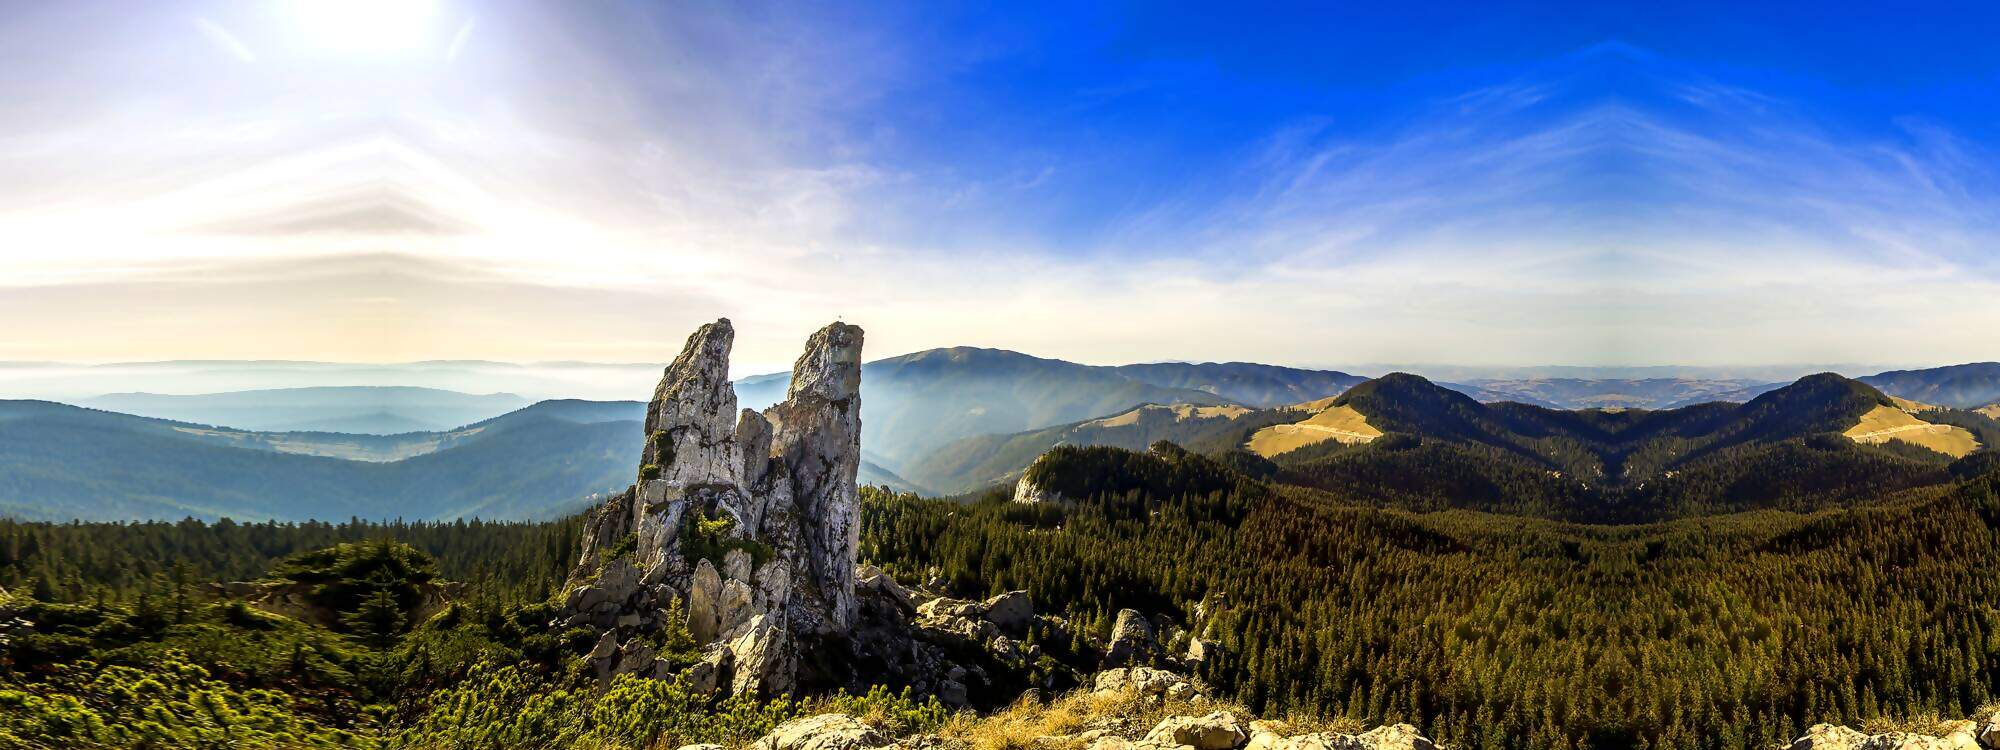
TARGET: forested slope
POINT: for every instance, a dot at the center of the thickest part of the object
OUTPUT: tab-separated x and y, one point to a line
1504	632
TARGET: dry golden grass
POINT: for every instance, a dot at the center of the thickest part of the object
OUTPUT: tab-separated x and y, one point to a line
1342	423
1929	724
1315	406
1018	727
1912	407
1991	410
1885	423
1181	412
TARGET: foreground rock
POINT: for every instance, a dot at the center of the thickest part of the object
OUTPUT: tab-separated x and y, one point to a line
822	732
1957	735
1109	709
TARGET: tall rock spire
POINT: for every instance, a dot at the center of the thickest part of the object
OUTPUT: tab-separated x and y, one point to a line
778	576
817	437
691	421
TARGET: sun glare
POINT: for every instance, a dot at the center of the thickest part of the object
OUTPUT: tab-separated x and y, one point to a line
365	26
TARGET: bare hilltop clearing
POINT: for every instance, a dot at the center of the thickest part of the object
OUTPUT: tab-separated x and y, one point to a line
1339	423
1886	423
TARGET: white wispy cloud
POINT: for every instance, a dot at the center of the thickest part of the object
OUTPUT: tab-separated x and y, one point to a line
533	184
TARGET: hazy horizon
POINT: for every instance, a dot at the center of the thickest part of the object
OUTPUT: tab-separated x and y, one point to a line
627	381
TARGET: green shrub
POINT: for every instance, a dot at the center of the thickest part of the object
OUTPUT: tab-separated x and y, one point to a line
703	538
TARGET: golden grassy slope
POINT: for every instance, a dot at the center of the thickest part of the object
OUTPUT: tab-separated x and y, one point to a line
1182	412
1885	423
1340	423
1912	407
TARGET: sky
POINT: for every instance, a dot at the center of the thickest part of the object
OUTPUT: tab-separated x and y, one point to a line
1485	184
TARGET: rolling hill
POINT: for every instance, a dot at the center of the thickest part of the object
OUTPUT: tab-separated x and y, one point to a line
1405	441
1245	383
915	403
1967	386
59	462
373	410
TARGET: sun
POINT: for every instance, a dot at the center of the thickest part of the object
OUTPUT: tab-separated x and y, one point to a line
365	26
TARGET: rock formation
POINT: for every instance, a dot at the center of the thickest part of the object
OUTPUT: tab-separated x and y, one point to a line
1105	718
1027	491
1965	734
745	525
1131	640
747	520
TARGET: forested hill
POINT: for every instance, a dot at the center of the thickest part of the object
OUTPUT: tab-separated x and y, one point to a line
1824	440
1726	631
1787	449
59	462
1316	604
1967	386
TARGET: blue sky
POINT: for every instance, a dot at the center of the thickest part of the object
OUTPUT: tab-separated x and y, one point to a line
1579	183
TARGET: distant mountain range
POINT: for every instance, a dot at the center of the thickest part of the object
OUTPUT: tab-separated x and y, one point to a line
370	410
914	403
1401	440
59	462
1969	386
62	462
940	421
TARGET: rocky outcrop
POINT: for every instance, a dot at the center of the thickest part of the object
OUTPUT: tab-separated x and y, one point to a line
746	520
745	526
1104	718
1216	731
746	523
1955	735
1147	682
1131	640
816	441
822	732
1027	491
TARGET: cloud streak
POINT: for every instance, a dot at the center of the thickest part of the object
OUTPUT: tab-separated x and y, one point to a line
536	184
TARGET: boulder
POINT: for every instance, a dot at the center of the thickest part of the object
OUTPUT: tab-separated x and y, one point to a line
822	732
945	607
1829	737
1989	733
1145	682
1199	651
764	659
1013	611
873	581
1131	640
1216	731
1905	741
704	611
1395	737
